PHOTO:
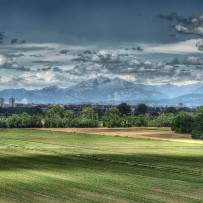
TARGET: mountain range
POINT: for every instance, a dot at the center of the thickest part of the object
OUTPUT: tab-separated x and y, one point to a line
111	91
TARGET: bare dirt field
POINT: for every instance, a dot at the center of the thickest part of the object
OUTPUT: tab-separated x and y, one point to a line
139	132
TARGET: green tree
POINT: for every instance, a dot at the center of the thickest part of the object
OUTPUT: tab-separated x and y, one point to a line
36	121
88	113
163	120
13	121
200	109
25	120
55	121
197	131
124	108
58	117
182	123
155	114
3	122
142	120
67	120
112	118
54	117
171	109
59	110
19	121
142	109
88	119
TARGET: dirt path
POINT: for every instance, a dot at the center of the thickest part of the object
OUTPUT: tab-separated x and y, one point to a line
149	133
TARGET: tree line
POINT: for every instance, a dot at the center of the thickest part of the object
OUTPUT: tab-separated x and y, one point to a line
184	123
59	117
19	110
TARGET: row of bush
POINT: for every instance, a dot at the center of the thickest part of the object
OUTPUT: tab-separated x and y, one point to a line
23	120
58	117
184	123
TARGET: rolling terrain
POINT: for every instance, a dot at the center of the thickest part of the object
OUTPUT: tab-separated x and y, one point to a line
161	133
47	166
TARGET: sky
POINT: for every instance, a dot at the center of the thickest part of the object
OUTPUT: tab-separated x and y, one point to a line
63	42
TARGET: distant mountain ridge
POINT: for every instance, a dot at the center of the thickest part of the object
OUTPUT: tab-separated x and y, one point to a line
105	90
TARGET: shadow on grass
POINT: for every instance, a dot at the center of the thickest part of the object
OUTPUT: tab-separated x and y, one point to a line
146	164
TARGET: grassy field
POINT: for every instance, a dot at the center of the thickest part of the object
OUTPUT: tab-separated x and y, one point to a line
48	166
157	133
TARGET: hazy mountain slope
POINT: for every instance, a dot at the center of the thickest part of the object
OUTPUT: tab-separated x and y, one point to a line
173	91
105	90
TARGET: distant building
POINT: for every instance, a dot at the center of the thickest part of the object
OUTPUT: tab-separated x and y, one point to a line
1	103
19	105
180	105
12	102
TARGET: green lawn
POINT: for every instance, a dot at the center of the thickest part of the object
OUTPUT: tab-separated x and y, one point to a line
45	166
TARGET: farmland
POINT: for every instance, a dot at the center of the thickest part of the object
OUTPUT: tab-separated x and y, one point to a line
163	133
51	166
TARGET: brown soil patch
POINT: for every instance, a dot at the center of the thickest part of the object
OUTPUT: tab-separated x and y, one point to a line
149	133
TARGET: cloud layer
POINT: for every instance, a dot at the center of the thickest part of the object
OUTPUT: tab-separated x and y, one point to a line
39	65
191	25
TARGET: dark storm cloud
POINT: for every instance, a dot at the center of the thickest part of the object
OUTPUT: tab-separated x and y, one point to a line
192	60
65	51
86	69
82	58
137	49
124	67
45	62
100	57
17	79
14	55
94	25
192	25
1	37
56	69
34	55
14	41
172	71
174	17
199	67
200	46
135	67
61	77
44	69
106	21
87	52
11	65
173	62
